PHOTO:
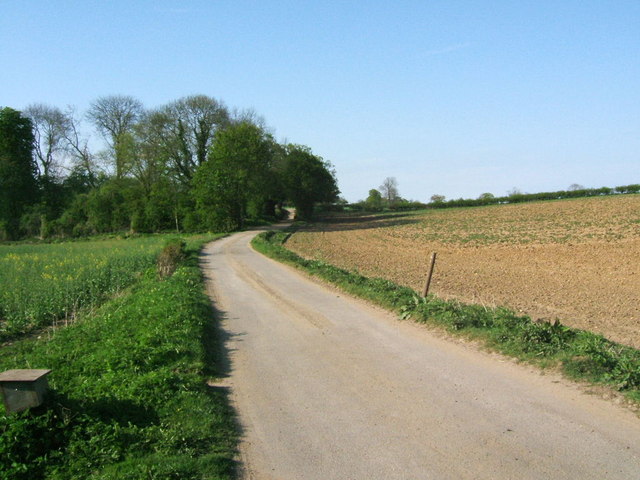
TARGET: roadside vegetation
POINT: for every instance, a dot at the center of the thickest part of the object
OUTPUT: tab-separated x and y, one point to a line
579	354
128	390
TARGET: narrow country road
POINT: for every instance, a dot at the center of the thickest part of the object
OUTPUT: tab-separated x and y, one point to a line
327	387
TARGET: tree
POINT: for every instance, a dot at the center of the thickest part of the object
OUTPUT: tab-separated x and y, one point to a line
49	131
486	196
374	200
147	157
18	187
575	187
50	127
437	198
114	117
84	167
162	192
235	176
389	190
189	126
307	179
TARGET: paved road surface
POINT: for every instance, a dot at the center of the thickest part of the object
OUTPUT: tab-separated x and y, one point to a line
327	387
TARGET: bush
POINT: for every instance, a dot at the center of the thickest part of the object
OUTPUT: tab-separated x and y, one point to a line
170	257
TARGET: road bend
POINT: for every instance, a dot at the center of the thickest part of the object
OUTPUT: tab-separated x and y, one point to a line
327	387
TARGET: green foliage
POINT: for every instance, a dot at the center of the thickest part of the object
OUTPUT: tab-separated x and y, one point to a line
635	188
74	220
399	205
187	166
236	175
373	203
599	359
186	131
162	207
128	394
18	187
580	354
518	197
307	180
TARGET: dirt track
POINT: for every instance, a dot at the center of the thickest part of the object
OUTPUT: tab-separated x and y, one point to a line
329	388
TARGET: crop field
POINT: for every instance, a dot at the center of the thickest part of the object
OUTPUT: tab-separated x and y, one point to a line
47	284
574	260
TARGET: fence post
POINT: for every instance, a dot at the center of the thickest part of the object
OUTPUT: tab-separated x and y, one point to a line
425	292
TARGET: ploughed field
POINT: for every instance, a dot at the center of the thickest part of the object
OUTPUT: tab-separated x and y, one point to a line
575	260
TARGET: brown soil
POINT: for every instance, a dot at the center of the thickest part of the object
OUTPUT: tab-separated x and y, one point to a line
575	260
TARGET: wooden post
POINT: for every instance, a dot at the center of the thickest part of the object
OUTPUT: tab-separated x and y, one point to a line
426	285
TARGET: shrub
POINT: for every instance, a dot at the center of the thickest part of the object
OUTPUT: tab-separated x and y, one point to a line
170	257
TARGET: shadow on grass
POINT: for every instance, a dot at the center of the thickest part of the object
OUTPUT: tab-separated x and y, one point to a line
106	410
218	367
216	343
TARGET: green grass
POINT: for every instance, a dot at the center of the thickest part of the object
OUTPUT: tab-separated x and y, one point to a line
578	354
128	393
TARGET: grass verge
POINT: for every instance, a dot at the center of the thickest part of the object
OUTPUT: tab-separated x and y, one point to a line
128	394
579	354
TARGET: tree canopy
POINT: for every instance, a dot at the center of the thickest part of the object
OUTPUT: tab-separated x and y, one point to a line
308	180
236	177
189	165
18	187
115	116
389	190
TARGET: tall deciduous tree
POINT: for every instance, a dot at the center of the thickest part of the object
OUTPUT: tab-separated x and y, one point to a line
236	176
18	187
85	172
308	180
374	200
389	190
189	129
162	192
114	117
50	127
49	131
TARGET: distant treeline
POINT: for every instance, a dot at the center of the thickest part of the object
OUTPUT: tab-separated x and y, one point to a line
399	205
487	199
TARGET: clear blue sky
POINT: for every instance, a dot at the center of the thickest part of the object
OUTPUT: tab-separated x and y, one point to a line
450	97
